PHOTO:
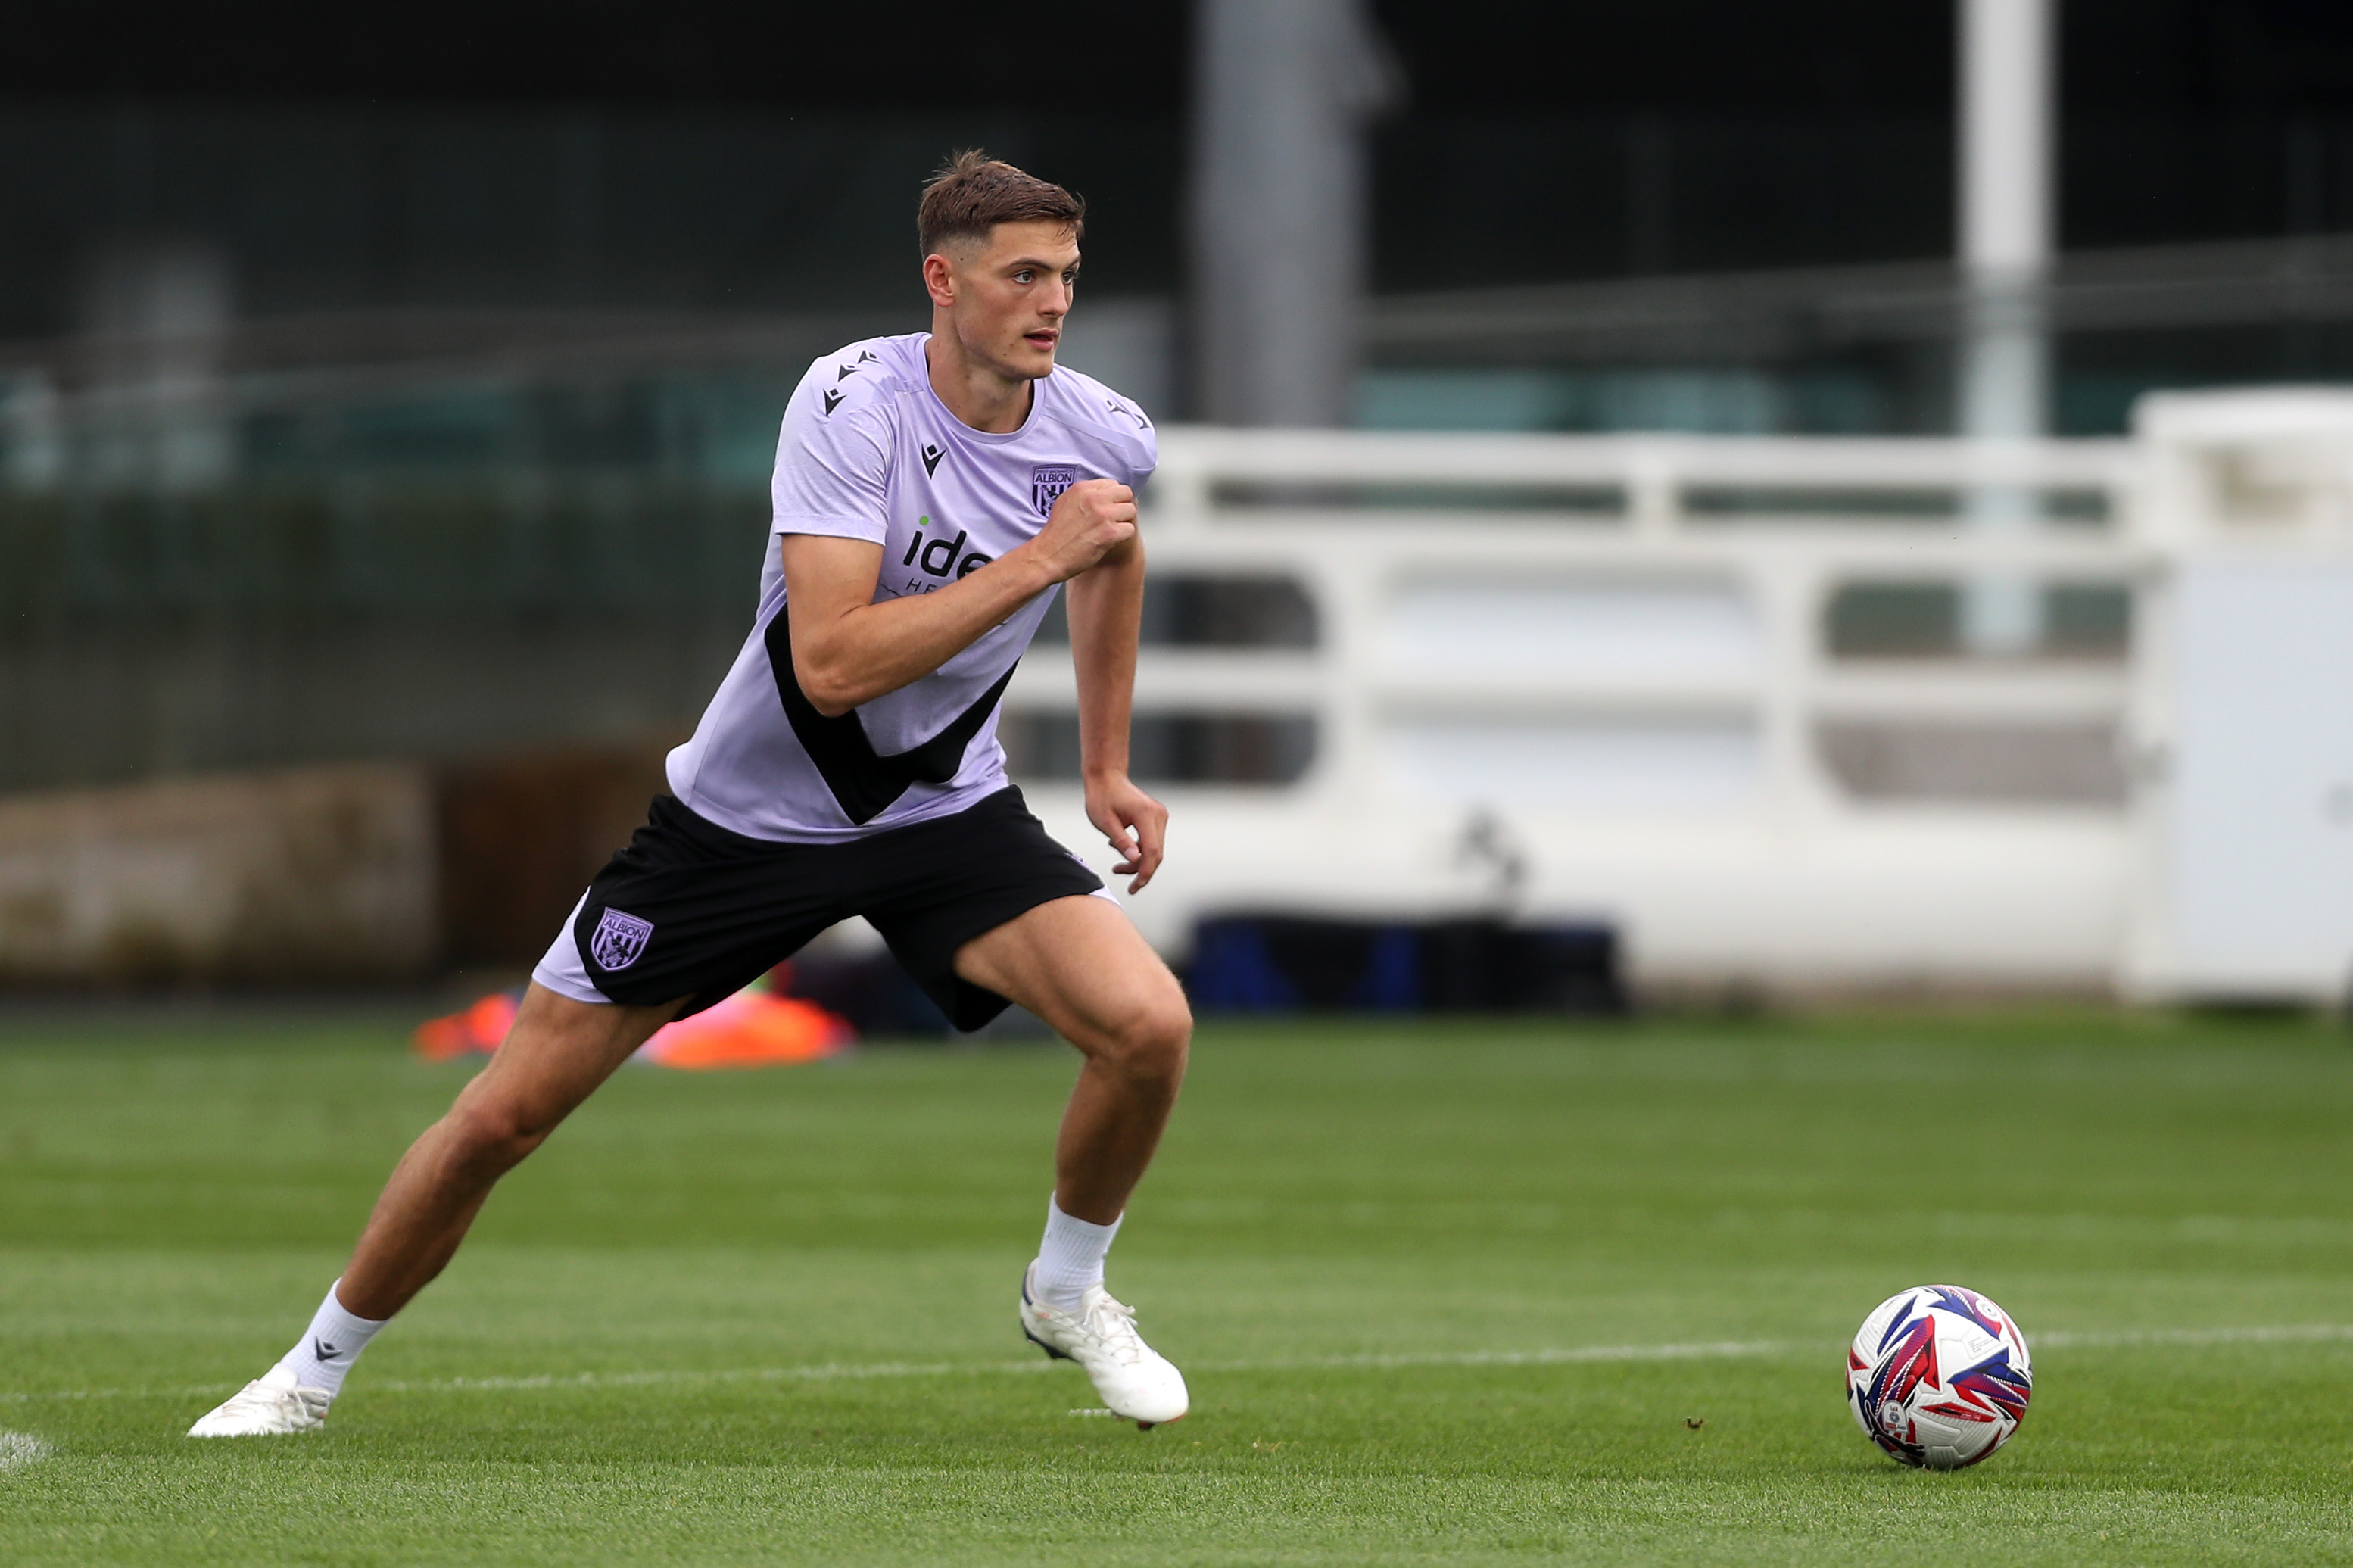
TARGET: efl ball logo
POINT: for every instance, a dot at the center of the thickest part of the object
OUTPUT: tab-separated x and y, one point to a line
1939	1377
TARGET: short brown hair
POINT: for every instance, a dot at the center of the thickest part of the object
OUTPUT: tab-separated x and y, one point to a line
973	193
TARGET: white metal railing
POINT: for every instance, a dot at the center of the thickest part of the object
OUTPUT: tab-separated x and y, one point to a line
1615	646
1358	562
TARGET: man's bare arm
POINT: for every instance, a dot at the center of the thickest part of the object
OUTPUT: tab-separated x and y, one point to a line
848	649
1106	605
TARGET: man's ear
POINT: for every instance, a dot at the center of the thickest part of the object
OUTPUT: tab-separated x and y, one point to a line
939	279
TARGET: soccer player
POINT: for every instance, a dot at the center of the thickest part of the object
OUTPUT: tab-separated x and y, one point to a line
931	493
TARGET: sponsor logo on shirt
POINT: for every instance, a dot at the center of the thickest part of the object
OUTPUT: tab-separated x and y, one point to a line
939	556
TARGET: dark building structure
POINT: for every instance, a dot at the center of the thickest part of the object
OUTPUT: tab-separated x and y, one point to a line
707	157
367	374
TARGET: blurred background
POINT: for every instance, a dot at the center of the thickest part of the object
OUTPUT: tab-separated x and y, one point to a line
1695	500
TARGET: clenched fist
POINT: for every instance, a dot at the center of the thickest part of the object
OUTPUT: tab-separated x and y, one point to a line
1091	520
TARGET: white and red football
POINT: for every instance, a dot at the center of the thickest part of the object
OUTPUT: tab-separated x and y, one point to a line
1939	1377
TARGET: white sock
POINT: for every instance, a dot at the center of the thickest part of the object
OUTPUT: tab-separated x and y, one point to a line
1071	1259
321	1357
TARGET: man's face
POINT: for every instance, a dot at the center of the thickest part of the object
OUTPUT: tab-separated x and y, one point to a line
1008	296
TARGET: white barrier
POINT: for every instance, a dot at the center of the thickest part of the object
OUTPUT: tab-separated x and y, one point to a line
2243	700
1628	700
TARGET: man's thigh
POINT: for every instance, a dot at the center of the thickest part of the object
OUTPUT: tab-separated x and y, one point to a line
557	1052
1077	962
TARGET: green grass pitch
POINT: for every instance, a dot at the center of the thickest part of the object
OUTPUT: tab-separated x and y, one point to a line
1445	1292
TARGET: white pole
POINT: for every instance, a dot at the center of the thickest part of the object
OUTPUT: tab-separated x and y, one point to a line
2006	181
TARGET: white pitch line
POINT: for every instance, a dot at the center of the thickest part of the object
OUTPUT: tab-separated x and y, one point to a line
822	1373
20	1449
840	1371
826	1371
833	1372
1708	1351
2119	1339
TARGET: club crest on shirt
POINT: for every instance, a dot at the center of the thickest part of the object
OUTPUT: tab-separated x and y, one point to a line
619	939
1047	483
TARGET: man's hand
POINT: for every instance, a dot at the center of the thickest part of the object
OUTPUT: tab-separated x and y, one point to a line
1091	520
1135	824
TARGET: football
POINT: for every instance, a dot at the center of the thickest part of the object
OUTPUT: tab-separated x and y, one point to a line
1939	1377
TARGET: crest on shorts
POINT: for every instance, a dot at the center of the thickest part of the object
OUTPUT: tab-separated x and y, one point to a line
619	939
1047	483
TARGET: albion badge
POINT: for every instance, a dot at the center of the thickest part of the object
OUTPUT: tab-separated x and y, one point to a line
1047	483
619	939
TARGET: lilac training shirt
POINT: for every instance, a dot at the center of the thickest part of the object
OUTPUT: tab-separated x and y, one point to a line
869	451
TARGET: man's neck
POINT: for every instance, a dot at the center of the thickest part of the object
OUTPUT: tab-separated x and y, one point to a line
985	398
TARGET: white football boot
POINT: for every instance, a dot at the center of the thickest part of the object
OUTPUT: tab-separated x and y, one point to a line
1136	1380
268	1405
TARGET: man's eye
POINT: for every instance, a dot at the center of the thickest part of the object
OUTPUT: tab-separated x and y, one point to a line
1025	277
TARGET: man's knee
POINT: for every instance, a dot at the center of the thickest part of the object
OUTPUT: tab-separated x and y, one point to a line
493	1135
1150	1036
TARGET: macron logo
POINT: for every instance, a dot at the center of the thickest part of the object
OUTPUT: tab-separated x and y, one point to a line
832	400
931	455
323	1350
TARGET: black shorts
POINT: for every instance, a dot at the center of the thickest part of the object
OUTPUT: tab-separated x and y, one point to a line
691	908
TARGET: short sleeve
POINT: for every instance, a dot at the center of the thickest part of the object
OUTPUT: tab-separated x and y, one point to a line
1148	440
833	468
1127	429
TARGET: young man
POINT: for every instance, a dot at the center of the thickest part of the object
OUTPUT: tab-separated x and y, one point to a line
931	492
